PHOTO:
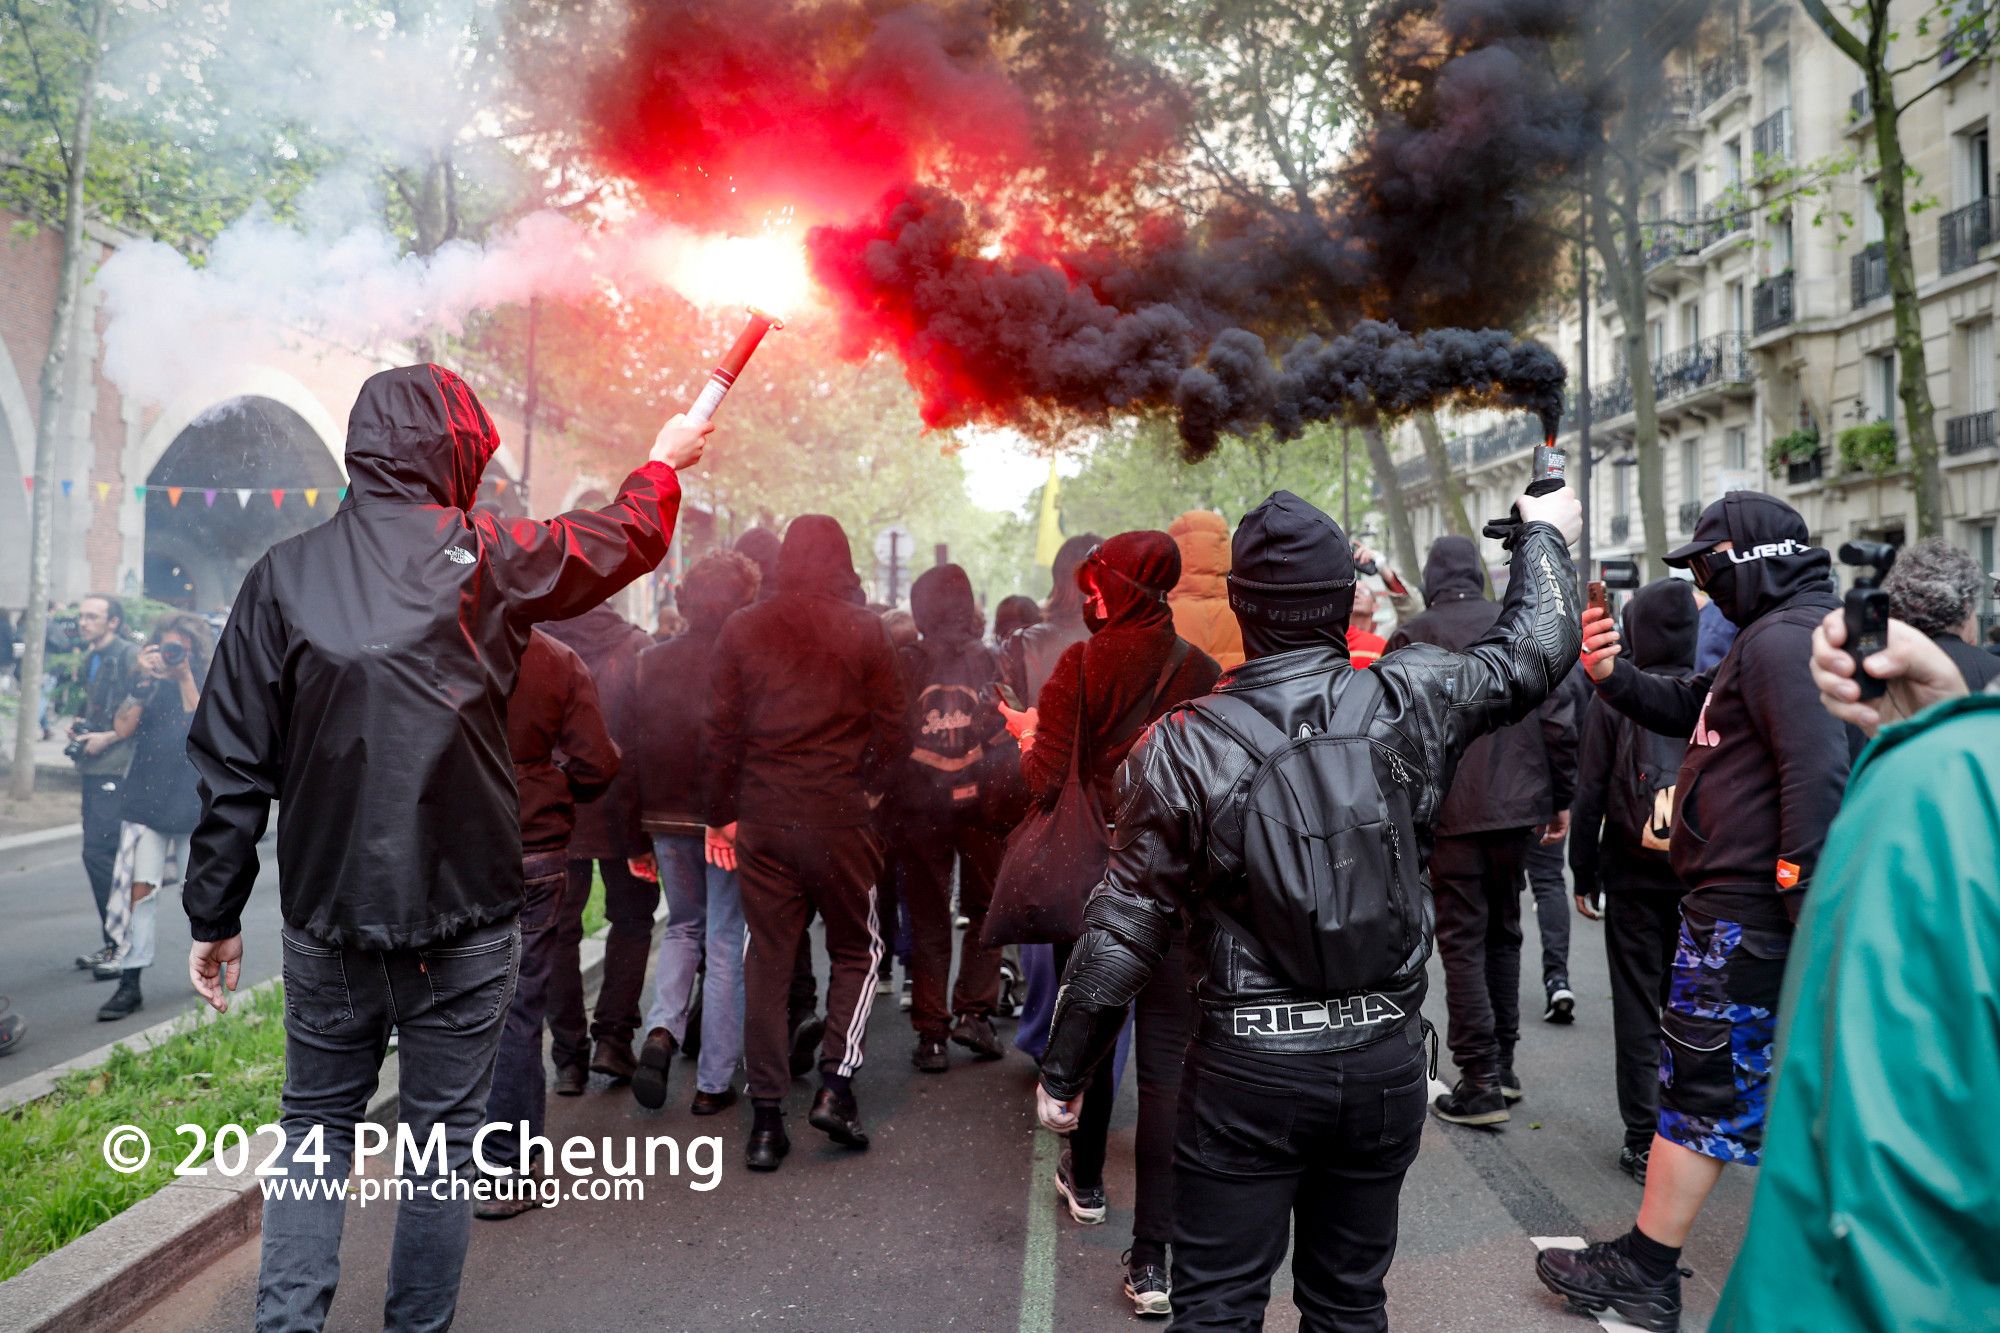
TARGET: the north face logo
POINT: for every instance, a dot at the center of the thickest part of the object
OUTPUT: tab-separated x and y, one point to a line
458	555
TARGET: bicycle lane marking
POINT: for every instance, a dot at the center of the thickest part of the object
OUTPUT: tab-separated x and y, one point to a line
1038	1258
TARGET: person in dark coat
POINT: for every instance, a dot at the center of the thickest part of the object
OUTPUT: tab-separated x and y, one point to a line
760	546
563	757
704	902
1104	692
606	839
1512	786
1617	874
362	683
805	725
1014	614
1938	588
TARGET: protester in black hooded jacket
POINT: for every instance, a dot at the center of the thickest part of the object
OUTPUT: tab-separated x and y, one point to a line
805	723
1761	782
937	817
1624	774
1511	786
362	681
607	838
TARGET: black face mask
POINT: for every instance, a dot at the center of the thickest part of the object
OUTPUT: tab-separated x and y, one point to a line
1720	585
1091	620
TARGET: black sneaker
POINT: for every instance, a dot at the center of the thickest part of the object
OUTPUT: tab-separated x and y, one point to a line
1602	1276
839	1119
1633	1162
1510	1085
1562	1004
975	1033
12	1028
125	1001
929	1055
1472	1103
767	1148
805	1044
1147	1287
649	1080
1086	1202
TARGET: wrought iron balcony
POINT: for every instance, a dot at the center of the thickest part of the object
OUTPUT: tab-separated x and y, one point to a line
1772	139
1719	222
1969	38
1963	233
1690	511
1771	303
1670	238
1810	469
1674	106
1721	75
1716	360
1972	431
1621	527
1868	274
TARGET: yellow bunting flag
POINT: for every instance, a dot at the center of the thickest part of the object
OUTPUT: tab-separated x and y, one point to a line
312	497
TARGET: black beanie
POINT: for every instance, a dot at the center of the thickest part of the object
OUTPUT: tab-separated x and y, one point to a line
1291	566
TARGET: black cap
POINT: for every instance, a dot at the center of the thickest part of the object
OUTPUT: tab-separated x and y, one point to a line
1290	564
1766	517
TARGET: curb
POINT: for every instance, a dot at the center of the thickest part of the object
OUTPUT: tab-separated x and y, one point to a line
17	842
38	1085
104	1279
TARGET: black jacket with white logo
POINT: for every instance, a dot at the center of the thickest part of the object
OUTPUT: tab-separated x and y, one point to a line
363	680
1181	797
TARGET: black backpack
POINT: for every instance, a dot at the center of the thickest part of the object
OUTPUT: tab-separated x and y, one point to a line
1336	898
956	733
1648	766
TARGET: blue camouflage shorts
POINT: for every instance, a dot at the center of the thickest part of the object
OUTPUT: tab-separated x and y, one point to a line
1717	1033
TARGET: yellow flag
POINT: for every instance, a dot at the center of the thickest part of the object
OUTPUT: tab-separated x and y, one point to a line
1049	536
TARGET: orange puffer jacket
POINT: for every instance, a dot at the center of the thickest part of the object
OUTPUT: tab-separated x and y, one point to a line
1200	600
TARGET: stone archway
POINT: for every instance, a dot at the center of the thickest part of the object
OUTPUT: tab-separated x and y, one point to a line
17	460
201	538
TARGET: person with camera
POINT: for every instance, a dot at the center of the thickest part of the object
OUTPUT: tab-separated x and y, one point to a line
1935	587
362	683
159	802
1761	781
109	668
1303	1099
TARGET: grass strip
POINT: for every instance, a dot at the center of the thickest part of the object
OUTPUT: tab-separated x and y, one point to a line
54	1184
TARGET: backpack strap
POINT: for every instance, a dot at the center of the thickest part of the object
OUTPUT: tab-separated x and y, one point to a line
1356	709
1241	721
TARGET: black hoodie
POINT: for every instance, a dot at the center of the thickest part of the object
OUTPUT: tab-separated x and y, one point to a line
1520	775
1766	765
363	679
1605	849
805	705
607	828
948	677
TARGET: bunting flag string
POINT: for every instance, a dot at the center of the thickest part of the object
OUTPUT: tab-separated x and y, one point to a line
103	489
278	494
312	497
242	497
174	496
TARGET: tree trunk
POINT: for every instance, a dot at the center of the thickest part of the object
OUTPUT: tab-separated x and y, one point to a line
1913	385
1402	539
1451	495
49	423
1622	248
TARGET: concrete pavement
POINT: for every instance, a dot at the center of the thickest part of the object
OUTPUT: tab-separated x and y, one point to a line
948	1222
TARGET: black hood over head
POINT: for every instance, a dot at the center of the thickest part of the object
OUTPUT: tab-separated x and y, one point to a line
594	635
1661	624
417	435
1771	558
1453	572
1065	604
761	546
817	558
1134	571
1291	577
942	603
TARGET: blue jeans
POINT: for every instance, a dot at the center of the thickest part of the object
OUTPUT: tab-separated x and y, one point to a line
704	914
520	1084
446	1002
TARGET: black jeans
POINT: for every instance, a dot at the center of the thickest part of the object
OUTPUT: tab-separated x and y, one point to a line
1642	925
1552	909
1162	1022
520	1084
1476	883
447	1003
102	815
928	850
1308	1149
629	903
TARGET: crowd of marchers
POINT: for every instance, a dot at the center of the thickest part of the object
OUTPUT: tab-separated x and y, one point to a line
1206	808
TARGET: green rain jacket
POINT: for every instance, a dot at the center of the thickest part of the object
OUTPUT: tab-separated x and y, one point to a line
1878	1205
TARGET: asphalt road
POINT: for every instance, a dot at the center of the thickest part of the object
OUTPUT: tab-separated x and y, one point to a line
948	1222
50	918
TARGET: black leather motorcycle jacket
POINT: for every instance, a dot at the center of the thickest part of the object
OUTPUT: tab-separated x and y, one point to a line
1181	795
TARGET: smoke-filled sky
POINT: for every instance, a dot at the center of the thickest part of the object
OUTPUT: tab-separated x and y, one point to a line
983	203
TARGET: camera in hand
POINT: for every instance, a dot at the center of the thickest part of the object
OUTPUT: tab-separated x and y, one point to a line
1866	608
74	750
173	654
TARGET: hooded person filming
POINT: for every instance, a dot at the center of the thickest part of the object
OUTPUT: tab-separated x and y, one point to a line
1304	1090
1760	784
363	682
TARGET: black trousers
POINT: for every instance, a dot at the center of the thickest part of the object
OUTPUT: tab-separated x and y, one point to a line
1552	909
1476	883
629	903
928	849
1642	923
1306	1149
1162	1022
102	808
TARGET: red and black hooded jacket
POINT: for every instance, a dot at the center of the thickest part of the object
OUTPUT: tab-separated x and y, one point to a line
362	680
